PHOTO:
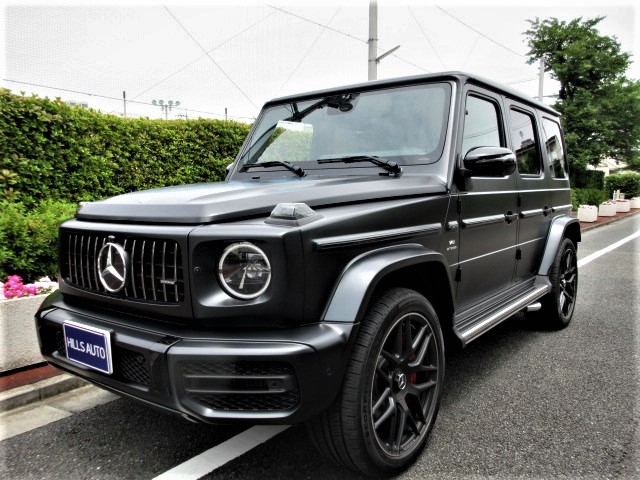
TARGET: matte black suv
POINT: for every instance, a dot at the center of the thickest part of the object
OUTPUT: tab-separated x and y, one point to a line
356	227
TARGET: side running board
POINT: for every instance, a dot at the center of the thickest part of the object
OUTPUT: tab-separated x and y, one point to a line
495	317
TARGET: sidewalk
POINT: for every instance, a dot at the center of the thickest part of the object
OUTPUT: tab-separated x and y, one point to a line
43	381
33	384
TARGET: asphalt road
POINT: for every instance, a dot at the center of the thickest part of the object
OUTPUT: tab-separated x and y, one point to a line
519	402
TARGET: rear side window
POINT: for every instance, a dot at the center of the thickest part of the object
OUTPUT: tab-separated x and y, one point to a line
525	143
555	150
481	125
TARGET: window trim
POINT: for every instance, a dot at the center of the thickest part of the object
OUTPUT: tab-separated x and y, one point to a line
536	133
565	159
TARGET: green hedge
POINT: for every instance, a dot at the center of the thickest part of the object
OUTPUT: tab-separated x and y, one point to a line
28	238
53	156
627	183
584	178
587	196
51	150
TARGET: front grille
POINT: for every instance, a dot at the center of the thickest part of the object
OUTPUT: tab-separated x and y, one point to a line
155	271
241	386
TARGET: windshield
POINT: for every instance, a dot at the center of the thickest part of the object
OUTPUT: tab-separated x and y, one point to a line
406	125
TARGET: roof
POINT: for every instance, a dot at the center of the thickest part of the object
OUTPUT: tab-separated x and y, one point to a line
460	77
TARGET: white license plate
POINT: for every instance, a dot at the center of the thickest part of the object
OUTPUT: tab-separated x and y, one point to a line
88	346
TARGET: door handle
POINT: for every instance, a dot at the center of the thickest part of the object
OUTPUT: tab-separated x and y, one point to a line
547	210
510	217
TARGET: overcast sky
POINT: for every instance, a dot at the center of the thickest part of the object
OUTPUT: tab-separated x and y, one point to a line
237	55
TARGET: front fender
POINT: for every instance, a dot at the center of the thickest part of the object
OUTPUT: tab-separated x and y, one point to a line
361	276
561	227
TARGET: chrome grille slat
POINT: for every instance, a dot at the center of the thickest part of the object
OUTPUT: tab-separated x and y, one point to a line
126	288
152	270
81	266
133	273
75	254
175	270
95	269
144	292
153	275
164	262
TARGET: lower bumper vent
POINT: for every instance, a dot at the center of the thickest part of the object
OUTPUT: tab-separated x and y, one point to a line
241	386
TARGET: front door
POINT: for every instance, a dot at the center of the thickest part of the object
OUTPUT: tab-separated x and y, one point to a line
487	209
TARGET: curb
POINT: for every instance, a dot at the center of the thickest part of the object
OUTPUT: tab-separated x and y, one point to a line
21	396
584	226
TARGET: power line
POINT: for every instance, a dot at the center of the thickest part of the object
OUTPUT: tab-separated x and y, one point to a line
119	99
306	53
184	67
425	36
335	30
210	57
479	32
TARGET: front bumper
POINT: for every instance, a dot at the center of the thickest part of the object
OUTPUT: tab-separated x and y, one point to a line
260	376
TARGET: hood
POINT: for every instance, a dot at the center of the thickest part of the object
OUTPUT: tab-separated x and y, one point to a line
223	201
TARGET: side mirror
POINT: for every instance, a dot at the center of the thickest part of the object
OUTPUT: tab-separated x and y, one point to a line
489	162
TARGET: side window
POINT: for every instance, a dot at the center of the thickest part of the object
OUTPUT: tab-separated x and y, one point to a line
555	150
481	125
525	143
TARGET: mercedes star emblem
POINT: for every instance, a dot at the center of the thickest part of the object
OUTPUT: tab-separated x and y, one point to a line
112	267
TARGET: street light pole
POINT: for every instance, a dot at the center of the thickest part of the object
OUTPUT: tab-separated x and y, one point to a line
165	107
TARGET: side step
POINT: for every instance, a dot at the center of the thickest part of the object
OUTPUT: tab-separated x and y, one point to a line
525	302
534	307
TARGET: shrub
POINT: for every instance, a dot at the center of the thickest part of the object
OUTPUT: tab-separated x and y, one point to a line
28	237
587	196
583	178
51	150
627	183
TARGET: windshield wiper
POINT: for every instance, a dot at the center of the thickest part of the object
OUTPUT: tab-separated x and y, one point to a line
389	165
276	163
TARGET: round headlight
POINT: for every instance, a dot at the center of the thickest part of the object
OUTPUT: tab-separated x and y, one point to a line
244	271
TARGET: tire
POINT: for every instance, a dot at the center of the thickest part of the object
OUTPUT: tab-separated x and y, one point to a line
390	396
558	305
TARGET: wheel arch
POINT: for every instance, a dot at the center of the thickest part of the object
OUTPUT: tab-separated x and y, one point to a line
561	227
409	266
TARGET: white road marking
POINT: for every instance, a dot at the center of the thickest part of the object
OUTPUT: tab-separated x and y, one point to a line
613	246
217	456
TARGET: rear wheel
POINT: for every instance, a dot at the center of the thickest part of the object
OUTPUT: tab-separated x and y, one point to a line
391	390
559	304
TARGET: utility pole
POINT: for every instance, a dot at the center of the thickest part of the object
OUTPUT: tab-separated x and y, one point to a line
373	39
373	60
541	80
124	101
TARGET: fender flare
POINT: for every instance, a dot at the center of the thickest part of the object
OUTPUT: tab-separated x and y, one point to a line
561	227
360	277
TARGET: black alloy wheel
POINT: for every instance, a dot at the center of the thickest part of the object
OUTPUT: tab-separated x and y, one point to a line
558	306
403	385
391	389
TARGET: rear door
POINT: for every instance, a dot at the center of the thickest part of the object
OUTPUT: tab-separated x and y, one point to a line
533	189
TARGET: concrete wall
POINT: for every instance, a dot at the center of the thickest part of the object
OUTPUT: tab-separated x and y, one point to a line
18	340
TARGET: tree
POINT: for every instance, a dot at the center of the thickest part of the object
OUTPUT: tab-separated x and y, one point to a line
600	106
